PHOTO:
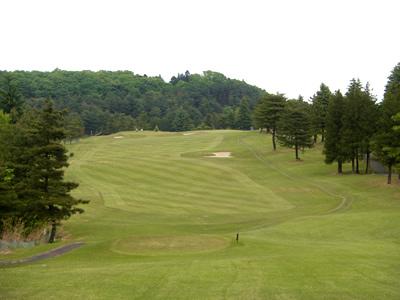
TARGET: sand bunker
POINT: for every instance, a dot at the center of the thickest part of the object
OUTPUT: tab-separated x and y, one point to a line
118	137
221	155
188	133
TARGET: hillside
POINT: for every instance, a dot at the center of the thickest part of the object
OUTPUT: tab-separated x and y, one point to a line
107	102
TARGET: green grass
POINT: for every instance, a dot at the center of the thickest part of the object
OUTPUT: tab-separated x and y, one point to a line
163	218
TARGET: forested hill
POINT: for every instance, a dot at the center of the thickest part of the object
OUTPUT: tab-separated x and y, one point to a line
105	102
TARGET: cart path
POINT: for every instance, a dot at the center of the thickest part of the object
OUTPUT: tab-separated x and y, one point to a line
44	255
345	201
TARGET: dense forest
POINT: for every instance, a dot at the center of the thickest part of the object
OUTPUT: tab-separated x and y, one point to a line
104	102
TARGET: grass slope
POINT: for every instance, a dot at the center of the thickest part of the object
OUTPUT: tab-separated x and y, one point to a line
163	217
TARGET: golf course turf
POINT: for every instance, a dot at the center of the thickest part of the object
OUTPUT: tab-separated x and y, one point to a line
164	213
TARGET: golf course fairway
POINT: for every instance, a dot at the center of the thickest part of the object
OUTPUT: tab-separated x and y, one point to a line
165	209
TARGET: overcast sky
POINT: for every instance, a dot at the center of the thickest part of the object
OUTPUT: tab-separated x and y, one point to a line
287	46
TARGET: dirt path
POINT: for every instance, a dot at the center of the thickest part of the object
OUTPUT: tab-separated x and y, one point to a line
44	255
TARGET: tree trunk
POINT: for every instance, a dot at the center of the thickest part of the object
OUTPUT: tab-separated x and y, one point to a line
352	164
297	152
389	179
323	135
315	138
339	167
53	232
367	167
357	164
273	139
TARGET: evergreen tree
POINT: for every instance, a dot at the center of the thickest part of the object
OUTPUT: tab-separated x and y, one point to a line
260	115
369	124
268	112
294	127
43	184
333	146
73	126
387	140
244	115
8	198
387	150
391	101
319	111
228	118
182	121
359	120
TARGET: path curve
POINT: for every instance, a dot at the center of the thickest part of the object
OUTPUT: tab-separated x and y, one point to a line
48	254
345	201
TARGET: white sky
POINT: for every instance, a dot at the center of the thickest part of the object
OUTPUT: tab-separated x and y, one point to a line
282	45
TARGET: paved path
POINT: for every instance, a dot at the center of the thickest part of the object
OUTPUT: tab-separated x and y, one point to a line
44	255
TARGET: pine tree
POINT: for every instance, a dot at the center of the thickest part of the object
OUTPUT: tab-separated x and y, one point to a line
391	101
387	150
49	195
358	119
260	114
294	127
73	126
387	140
9	205
268	112
369	124
244	115
182	121
319	110
333	146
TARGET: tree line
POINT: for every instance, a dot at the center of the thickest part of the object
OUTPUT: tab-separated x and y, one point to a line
105	102
352	127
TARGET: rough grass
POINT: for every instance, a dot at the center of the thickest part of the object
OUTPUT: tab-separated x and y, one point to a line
162	221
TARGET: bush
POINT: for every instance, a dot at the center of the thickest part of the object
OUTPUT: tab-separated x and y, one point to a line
15	234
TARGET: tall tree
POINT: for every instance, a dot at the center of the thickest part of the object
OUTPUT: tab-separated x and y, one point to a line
333	146
268	112
8	198
49	194
319	110
181	121
228	117
244	115
387	140
294	127
359	120
369	124
73	126
387	150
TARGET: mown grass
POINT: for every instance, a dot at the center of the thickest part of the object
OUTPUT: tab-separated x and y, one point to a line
305	233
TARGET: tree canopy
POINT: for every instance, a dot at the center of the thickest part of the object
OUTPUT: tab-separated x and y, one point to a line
32	164
294	126
108	102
